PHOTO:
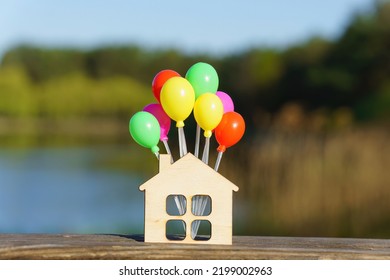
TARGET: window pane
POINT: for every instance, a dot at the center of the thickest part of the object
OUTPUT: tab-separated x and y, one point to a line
201	205
176	205
175	230
204	231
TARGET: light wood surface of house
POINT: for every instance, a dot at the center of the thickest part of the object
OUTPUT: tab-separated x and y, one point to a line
188	177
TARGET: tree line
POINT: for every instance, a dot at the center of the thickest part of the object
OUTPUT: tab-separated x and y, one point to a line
351	71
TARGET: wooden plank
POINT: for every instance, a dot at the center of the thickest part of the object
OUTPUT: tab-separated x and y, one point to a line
99	246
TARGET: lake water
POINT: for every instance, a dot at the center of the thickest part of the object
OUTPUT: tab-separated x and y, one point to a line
54	190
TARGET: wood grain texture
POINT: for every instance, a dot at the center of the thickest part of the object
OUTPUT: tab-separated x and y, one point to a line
101	246
188	177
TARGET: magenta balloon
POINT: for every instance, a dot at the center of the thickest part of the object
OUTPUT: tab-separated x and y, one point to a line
227	101
162	117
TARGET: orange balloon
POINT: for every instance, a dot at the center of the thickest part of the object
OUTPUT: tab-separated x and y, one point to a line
230	130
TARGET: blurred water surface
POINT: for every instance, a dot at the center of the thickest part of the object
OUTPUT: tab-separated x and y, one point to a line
57	190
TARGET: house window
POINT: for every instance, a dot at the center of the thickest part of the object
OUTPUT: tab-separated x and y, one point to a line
175	230
201	205
203	232
176	205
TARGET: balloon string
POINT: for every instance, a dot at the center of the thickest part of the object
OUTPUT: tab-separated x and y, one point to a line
184	141
157	155
205	156
217	163
180	142
168	149
197	141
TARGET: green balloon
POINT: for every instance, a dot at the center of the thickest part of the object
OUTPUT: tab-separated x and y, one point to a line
145	130
203	78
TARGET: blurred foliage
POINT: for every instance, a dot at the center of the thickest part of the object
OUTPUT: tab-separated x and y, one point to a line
69	95
351	72
307	184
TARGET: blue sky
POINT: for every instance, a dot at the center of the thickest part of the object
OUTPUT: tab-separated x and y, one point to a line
213	26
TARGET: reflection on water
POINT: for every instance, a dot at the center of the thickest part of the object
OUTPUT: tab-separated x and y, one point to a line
56	190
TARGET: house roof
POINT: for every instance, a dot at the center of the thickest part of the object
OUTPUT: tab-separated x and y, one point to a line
187	168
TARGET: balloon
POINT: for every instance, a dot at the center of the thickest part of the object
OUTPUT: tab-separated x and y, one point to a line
177	99
203	78
230	130
208	111
163	119
227	101
160	79
145	130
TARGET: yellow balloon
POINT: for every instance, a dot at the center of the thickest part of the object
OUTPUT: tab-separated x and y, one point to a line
208	112
177	99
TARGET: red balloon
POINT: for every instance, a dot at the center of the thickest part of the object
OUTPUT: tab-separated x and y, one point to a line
160	79
230	130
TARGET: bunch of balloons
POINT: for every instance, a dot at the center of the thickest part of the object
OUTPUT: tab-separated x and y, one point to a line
177	97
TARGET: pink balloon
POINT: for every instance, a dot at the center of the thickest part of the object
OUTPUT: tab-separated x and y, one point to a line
227	101
162	117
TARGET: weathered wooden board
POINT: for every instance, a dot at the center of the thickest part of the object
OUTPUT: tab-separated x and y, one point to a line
99	246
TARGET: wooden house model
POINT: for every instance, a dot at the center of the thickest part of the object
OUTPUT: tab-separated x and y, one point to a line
188	178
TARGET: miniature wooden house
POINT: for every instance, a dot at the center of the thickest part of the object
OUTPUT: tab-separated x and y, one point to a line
188	177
